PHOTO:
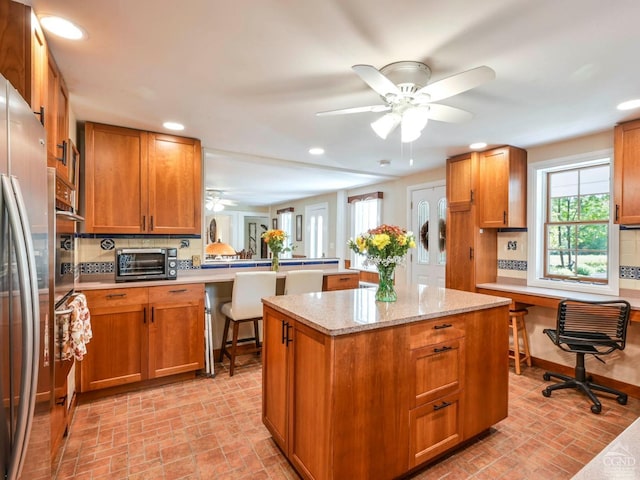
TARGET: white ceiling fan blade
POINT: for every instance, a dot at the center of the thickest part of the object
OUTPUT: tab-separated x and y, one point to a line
376	80
455	84
344	111
444	113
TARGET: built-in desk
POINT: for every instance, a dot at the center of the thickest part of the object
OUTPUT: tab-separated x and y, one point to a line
549	297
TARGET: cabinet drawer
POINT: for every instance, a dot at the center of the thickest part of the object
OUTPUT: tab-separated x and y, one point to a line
434	428
180	293
438	370
340	282
116	297
436	331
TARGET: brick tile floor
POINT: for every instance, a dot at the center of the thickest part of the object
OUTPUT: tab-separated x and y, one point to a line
212	429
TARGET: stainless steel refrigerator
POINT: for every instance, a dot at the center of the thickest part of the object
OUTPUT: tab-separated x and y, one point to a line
25	310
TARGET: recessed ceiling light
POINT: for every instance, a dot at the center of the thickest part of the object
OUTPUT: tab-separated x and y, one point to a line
629	104
384	162
477	145
316	150
62	27
173	126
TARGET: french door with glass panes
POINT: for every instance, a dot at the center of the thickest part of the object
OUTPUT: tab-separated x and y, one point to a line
428	223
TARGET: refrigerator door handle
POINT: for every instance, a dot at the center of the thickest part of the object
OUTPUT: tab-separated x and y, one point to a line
27	278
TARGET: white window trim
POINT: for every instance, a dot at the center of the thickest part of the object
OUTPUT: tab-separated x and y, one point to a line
536	190
356	259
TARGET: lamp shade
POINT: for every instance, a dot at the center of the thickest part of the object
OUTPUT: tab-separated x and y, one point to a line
413	122
386	124
220	249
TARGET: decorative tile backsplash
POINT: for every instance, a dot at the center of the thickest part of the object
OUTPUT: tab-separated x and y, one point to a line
519	265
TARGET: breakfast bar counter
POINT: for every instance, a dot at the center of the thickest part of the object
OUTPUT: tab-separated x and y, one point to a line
354	388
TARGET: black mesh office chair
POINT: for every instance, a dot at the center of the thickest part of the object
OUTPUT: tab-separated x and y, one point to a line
596	328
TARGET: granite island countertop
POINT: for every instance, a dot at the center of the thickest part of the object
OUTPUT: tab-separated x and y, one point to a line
349	311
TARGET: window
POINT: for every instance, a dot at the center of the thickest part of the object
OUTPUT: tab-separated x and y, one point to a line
574	239
285	220
365	215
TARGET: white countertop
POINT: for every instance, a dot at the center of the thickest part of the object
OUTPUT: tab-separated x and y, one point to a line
634	301
350	311
618	460
203	275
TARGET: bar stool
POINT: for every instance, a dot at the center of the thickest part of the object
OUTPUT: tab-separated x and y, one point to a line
245	306
517	323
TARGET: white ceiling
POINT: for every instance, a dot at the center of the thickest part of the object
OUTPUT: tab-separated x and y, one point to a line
246	77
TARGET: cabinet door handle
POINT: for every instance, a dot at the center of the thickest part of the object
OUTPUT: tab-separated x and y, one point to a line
441	406
289	339
153	310
144	315
41	113
61	400
444	325
63	146
180	290
151	223
144	223
504	217
116	295
443	349
470	253
283	331
617	212
471	196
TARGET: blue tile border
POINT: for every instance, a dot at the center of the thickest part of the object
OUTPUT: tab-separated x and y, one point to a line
92	268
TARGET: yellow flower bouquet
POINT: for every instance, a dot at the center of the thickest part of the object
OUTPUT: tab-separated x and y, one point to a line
385	247
275	239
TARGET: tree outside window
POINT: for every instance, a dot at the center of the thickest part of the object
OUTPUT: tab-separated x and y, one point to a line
577	226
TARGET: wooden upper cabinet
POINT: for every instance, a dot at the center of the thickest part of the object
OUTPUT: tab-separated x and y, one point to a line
15	46
114	174
39	56
175	184
159	175
460	181
502	188
626	173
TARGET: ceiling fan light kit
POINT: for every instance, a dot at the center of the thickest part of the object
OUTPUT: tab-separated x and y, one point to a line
408	97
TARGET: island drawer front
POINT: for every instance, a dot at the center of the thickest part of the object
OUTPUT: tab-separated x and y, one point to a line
434	428
177	293
438	370
116	297
436	331
340	282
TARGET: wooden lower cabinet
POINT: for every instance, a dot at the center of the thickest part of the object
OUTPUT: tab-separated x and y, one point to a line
141	333
380	403
341	281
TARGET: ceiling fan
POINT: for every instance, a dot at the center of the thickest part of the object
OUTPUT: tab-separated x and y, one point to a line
214	201
408	97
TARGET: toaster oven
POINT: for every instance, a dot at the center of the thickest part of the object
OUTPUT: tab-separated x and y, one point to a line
137	264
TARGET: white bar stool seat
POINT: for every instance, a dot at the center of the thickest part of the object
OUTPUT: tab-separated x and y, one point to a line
246	306
303	281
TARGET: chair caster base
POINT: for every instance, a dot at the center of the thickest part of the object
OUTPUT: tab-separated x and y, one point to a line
546	392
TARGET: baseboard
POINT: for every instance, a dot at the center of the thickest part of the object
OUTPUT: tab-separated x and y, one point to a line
132	387
629	389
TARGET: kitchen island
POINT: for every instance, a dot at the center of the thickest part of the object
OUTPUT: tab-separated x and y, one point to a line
359	389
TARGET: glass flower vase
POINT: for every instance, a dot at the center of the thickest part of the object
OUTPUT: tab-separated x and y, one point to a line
275	262
385	292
